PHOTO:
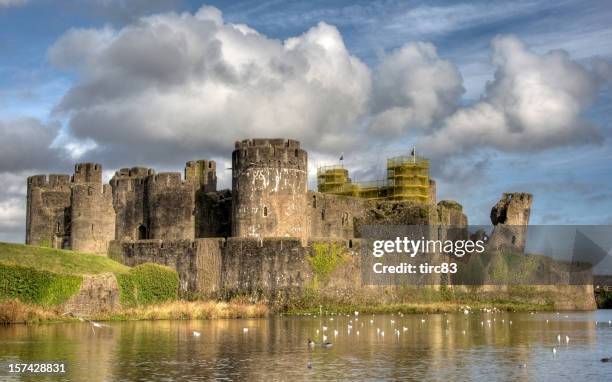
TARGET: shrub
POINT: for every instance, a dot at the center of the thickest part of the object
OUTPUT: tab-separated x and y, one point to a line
325	258
148	284
35	286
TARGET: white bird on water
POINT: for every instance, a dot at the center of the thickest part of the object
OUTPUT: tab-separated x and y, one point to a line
245	330
554	351
567	339
196	333
559	338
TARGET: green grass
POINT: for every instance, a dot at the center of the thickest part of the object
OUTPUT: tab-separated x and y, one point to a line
148	284
57	260
34	286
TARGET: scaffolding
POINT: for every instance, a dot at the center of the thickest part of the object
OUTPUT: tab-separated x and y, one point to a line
407	180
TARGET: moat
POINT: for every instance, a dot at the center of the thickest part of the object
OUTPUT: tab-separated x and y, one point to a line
476	346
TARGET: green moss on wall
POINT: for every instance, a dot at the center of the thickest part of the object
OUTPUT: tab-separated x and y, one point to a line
325	258
148	284
30	285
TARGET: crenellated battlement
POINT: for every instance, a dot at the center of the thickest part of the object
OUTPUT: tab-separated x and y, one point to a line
87	173
49	181
275	153
167	180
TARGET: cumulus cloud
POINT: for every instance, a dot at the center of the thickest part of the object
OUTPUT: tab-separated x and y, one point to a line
535	102
413	88
27	144
173	84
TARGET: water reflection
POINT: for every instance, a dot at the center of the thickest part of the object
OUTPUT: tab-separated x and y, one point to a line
422	347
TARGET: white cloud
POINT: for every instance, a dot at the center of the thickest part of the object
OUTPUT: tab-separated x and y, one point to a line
413	88
534	102
192	82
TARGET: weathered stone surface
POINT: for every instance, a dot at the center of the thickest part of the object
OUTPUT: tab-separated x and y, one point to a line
512	209
98	294
510	216
269	185
70	213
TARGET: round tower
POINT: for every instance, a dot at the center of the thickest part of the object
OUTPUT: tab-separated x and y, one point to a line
269	185
92	217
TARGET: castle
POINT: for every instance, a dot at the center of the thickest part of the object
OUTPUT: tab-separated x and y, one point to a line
269	198
256	239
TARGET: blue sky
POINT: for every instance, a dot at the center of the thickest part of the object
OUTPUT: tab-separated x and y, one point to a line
570	176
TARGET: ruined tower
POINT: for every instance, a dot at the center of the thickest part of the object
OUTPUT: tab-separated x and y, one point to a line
269	185
510	216
48	211
70	213
171	207
92	215
130	202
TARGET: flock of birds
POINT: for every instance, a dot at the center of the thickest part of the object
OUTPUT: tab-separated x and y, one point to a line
326	344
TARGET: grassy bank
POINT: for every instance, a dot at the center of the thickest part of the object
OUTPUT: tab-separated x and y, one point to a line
14	311
57	260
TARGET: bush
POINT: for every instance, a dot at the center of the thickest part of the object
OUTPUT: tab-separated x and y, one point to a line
325	258
148	284
38	287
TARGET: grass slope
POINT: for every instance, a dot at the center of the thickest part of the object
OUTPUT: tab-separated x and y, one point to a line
57	260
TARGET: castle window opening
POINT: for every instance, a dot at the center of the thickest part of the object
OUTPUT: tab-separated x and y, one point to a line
265	211
296	152
57	227
350	243
314	201
92	228
322	214
142	232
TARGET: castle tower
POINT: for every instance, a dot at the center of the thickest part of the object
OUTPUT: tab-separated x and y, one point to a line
92	217
130	202
171	207
87	173
510	216
269	185
203	173
48	211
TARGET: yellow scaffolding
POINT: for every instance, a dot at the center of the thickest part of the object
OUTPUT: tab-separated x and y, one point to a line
407	180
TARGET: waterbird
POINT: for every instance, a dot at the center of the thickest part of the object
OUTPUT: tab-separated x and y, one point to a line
196	333
608	359
327	345
245	330
335	333
311	343
309	365
567	339
356	313
324	328
324	338
465	311
358	332
554	351
382	333
422	320
559	338
523	365
404	328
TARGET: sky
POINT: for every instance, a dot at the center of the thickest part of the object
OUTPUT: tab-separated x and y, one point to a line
501	97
